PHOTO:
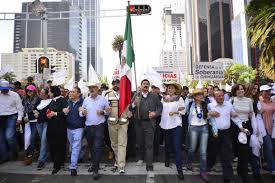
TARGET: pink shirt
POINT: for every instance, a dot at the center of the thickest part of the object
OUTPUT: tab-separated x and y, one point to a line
269	109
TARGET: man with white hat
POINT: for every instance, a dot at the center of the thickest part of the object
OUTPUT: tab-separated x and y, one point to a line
94	107
118	127
11	114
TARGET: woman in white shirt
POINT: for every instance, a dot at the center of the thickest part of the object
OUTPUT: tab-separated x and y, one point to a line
198	131
243	106
171	122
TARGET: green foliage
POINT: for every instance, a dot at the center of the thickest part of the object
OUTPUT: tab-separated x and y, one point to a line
117	45
103	79
9	76
261	32
239	73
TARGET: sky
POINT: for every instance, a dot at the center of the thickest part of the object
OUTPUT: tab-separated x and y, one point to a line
147	32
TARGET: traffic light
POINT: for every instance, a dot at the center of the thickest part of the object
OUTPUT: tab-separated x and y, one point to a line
43	62
139	9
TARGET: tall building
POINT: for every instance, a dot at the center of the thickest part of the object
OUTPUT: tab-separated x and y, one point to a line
92	13
173	51
208	24
24	63
242	52
62	34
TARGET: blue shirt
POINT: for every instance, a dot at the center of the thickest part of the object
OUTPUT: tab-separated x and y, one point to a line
93	105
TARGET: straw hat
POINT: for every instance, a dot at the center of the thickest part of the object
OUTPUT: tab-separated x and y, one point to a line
92	83
176	85
197	91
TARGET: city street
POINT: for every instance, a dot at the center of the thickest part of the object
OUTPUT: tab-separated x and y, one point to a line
12	172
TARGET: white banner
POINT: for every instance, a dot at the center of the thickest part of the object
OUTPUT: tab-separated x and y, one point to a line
46	73
168	74
59	77
38	79
208	71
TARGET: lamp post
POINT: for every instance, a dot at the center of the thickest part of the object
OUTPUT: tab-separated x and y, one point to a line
39	9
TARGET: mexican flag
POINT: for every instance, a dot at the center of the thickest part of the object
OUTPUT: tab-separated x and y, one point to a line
126	68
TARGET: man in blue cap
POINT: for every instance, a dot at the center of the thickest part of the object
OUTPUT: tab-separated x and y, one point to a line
11	114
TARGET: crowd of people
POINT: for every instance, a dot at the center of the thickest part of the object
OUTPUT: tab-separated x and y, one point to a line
210	121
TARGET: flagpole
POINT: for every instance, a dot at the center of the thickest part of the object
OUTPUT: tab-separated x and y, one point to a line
135	71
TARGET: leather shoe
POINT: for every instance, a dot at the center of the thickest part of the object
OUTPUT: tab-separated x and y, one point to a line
55	170
95	176
73	172
180	175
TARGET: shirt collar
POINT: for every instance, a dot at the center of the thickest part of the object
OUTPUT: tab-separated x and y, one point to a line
145	94
56	98
216	104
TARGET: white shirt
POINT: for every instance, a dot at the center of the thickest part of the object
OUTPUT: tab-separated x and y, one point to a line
212	99
170	122
243	106
144	94
11	104
195	120
93	105
223	121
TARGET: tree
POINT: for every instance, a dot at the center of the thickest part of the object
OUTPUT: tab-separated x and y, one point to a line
103	80
9	76
261	32
117	45
239	73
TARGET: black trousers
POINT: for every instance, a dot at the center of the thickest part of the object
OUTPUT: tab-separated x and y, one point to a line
131	143
145	130
221	146
242	150
57	139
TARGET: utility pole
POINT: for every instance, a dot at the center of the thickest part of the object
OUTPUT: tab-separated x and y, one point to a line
39	9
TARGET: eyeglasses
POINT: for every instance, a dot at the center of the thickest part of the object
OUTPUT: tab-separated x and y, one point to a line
29	91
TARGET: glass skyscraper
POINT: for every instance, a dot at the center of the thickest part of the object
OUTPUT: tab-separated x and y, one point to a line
210	25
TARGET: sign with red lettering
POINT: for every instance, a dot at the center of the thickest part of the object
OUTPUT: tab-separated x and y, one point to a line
167	74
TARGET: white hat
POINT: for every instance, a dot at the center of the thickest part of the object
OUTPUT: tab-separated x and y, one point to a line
265	88
242	138
273	88
92	83
228	88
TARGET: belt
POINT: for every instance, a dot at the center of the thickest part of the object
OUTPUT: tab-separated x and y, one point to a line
3	116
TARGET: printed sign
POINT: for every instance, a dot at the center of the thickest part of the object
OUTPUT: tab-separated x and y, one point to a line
208	71
168	74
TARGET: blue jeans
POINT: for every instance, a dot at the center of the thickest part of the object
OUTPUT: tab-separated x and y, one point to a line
95	138
198	134
173	137
3	146
254	162
42	131
75	139
31	147
269	146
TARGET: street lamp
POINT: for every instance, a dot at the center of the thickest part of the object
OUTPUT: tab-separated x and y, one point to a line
38	8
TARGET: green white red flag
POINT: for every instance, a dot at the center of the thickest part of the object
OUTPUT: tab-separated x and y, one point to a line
126	68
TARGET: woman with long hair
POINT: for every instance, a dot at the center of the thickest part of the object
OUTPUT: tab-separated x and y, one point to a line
252	92
57	128
171	122
41	125
29	103
198	131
